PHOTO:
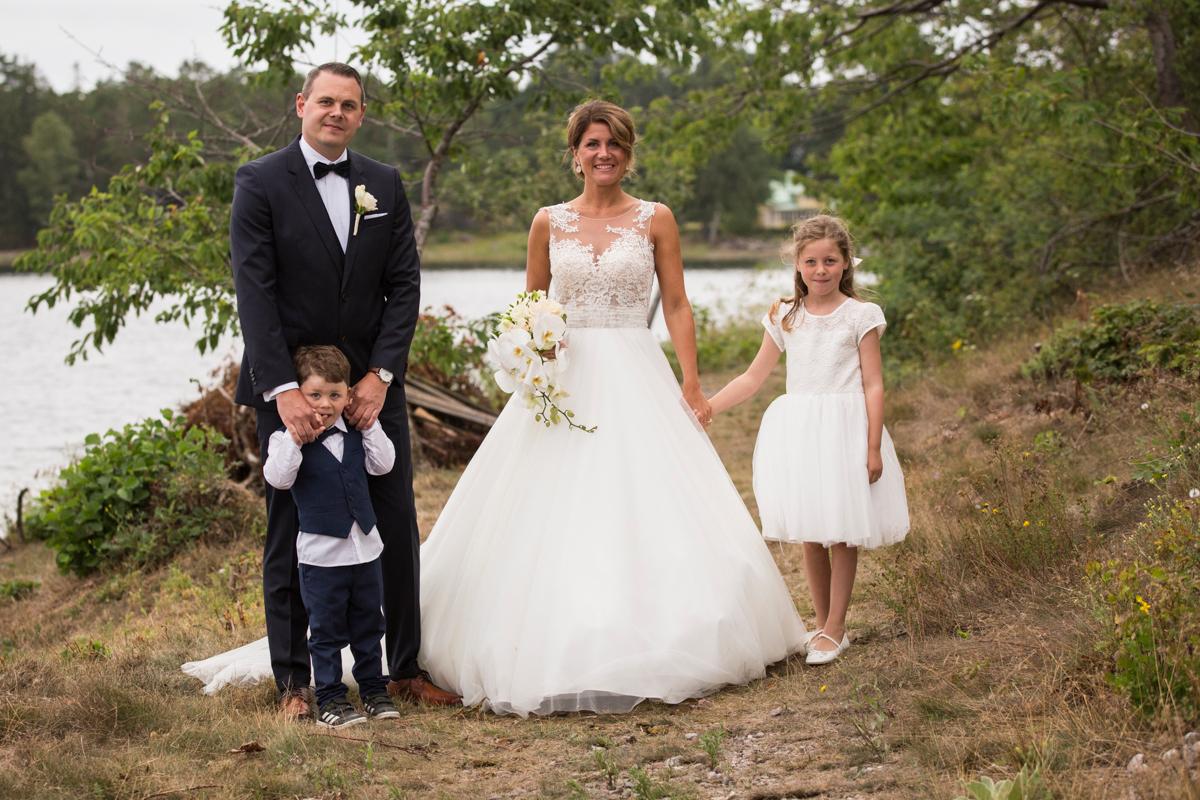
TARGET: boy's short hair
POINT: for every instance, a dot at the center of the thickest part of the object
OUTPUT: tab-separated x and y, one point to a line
323	360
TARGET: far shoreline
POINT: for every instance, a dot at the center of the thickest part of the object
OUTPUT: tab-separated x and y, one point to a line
452	250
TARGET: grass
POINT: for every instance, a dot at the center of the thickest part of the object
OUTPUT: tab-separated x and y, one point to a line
974	646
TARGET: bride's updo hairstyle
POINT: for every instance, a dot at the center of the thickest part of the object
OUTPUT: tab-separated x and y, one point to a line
618	121
813	229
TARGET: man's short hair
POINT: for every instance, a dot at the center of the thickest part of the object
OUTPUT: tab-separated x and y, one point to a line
334	68
323	360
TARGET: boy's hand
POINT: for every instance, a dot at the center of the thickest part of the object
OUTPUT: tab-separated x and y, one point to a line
874	465
302	422
366	401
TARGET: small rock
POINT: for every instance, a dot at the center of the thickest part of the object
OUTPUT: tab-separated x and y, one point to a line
691	736
1191	737
777	711
1190	754
713	775
1136	764
1170	756
674	761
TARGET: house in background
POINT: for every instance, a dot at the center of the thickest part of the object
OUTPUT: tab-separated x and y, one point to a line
787	204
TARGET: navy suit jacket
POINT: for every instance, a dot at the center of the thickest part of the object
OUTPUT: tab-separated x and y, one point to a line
295	286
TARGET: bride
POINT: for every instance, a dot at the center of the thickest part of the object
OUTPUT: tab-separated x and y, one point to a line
571	571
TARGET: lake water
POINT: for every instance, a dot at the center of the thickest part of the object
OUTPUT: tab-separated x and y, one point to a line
48	407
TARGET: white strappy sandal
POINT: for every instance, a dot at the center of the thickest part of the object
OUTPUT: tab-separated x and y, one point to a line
808	636
825	656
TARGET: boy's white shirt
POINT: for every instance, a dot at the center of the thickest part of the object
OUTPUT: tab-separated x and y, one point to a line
319	550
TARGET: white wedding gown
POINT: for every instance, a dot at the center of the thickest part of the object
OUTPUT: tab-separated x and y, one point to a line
572	571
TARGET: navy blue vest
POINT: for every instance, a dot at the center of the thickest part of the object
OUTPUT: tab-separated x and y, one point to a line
332	495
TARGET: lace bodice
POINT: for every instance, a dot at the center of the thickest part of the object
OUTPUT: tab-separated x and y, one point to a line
602	270
822	351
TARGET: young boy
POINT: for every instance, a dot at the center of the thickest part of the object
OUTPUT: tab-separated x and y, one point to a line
338	545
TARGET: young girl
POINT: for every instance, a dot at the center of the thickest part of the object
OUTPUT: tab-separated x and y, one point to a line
825	470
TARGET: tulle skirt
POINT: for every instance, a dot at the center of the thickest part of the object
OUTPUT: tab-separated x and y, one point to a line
810	474
572	571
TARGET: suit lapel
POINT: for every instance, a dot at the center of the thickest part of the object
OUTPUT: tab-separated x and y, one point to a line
357	178
306	190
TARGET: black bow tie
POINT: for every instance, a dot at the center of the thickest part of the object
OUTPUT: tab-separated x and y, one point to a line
330	431
321	169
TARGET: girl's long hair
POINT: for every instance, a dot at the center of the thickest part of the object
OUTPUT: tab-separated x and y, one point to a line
822	226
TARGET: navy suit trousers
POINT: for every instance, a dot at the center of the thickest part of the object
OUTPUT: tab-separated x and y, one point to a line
345	607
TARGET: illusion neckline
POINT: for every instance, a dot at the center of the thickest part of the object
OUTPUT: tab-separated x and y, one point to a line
637	203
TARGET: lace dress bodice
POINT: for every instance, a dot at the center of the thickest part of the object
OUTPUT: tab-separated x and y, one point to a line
602	270
822	351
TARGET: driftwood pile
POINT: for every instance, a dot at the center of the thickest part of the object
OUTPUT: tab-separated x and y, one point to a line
446	426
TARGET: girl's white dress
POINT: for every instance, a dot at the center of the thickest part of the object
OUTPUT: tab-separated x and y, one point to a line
572	571
810	460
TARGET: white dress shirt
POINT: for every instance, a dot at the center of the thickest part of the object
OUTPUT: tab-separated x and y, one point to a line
321	550
335	194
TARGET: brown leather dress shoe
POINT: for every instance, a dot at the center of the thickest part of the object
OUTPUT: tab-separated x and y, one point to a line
295	706
421	690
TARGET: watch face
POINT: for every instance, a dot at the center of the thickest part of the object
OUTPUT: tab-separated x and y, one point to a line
385	375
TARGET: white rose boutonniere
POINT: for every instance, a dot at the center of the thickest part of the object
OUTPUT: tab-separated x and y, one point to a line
364	203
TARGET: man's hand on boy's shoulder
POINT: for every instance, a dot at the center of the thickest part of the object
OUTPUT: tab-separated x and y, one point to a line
366	401
298	416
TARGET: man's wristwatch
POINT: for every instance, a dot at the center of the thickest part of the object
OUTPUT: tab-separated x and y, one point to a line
385	375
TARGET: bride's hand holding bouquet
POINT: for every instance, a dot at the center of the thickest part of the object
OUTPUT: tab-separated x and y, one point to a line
529	354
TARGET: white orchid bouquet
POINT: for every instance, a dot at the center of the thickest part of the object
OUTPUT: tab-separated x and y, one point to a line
529	355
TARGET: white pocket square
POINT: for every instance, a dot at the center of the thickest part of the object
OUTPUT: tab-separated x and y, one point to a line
377	214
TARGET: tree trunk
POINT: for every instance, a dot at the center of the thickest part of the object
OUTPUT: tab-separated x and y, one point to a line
429	203
714	226
1170	87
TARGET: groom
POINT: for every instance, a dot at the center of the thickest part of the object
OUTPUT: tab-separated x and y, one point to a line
313	265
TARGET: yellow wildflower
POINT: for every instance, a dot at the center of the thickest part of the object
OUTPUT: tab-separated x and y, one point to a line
1143	605
958	343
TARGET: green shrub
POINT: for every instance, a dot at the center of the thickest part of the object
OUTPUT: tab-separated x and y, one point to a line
720	346
1153	608
1123	342
1178	460
1025	785
135	496
449	350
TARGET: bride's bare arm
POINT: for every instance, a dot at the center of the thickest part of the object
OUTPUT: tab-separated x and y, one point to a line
677	311
746	385
537	255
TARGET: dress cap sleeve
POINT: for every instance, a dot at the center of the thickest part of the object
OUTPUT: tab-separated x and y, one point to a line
870	317
773	328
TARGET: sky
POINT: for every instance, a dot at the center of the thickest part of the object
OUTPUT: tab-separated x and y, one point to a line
61	36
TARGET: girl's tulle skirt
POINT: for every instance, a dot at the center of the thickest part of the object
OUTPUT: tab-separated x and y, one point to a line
810	474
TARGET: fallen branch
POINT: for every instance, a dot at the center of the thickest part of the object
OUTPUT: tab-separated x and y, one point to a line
170	792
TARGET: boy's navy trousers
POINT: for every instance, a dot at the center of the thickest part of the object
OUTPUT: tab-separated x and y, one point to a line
345	607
